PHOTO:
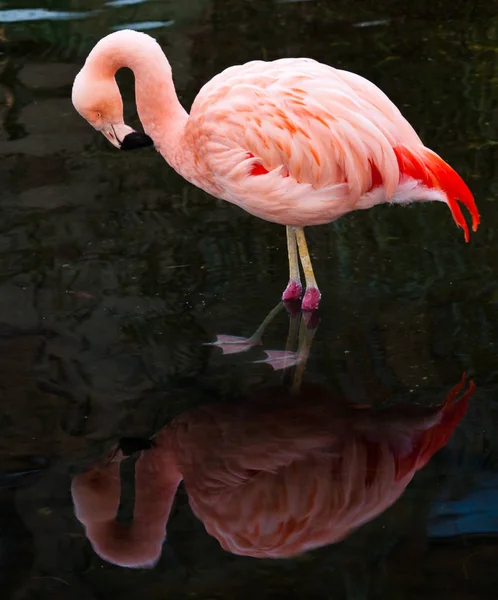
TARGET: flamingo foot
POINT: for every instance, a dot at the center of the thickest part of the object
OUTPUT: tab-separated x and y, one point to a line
292	291
280	359
311	299
231	344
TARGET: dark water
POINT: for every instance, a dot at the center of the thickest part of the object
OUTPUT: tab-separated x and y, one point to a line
115	273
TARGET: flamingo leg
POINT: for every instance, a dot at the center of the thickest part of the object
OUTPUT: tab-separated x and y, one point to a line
258	334
312	296
294	287
233	344
283	359
292	333
306	334
305	324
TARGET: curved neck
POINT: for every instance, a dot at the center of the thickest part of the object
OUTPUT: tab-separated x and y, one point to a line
96	496
163	117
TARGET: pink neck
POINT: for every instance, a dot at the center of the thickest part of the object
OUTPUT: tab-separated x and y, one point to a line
162	116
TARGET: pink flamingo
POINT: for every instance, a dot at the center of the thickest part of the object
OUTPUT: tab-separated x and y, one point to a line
292	141
274	477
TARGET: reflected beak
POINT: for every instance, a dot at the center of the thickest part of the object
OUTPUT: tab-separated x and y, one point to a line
125	138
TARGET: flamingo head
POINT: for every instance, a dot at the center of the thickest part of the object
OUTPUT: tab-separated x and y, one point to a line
99	102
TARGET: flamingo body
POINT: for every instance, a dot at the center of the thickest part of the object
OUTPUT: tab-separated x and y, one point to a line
292	141
300	143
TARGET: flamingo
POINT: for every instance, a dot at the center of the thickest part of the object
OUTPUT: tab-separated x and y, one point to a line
292	141
272	477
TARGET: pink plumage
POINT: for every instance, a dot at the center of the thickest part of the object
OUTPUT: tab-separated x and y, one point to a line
292	141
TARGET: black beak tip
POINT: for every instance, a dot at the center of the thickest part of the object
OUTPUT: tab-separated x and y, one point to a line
130	445
136	139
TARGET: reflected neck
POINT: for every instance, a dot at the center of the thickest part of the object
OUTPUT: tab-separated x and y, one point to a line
97	498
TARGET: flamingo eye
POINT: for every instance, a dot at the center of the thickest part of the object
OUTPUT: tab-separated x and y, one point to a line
99	115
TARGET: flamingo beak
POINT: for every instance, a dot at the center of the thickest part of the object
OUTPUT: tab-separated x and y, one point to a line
136	139
125	138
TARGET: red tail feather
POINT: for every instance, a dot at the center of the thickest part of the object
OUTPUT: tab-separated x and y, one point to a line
431	170
452	412
434	438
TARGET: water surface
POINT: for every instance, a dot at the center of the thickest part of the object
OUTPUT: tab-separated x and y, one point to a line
116	273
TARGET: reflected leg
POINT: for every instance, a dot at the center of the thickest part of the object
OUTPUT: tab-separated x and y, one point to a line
307	325
312	296
231	344
294	287
307	332
283	359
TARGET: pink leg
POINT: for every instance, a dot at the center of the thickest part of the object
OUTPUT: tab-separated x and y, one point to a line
294	288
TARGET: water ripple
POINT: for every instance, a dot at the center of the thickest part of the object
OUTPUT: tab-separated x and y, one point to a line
124	2
19	15
143	25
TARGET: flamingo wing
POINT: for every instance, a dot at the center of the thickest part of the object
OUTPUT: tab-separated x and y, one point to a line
297	139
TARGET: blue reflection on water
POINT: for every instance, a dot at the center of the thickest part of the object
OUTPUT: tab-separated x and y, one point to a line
476	513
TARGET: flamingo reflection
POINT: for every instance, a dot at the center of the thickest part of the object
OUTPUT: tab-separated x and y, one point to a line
279	474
